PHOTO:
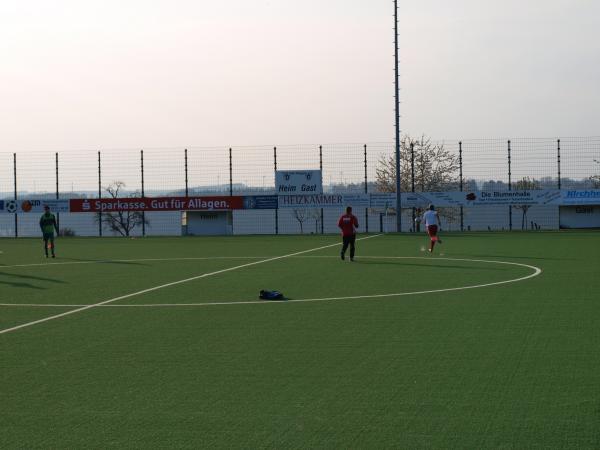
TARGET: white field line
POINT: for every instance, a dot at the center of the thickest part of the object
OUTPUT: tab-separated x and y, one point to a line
190	258
174	283
536	272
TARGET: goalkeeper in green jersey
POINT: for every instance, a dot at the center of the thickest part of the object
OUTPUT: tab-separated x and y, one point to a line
48	225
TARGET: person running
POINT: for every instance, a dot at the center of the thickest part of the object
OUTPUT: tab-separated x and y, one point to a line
348	223
48	226
431	219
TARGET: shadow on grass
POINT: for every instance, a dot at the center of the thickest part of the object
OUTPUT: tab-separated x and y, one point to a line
123	263
57	262
100	261
31	277
21	285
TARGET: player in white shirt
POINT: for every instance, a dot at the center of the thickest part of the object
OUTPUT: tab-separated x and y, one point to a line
431	219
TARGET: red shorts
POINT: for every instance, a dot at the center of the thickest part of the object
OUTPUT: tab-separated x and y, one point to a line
432	230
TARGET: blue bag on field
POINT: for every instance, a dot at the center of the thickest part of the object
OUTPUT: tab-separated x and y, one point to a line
271	295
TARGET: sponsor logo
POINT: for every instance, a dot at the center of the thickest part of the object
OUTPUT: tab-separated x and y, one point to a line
583	194
11	206
26	206
508	194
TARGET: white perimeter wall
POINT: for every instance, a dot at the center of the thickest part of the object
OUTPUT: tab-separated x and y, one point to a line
263	222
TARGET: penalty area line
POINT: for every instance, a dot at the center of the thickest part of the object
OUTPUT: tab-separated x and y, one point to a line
173	283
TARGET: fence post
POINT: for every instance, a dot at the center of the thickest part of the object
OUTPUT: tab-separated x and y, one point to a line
185	157
230	173
558	162
510	189
397	117
57	195
15	193
99	194
321	168
559	177
143	194
422	171
276	193
366	193
460	167
412	182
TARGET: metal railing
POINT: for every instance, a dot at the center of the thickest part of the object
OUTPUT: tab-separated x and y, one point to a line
499	164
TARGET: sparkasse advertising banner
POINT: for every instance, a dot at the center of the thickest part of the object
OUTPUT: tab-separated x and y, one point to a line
298	182
157	204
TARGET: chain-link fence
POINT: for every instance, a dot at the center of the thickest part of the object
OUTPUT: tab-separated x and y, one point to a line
485	164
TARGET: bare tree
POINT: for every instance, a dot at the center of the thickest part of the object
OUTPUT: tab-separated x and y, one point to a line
301	215
595	179
315	214
525	184
435	169
121	222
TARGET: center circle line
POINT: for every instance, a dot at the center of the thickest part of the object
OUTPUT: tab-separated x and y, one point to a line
536	271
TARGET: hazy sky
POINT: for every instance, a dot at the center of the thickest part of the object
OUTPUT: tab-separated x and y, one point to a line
78	74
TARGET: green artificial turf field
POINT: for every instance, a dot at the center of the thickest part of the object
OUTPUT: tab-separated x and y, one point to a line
398	349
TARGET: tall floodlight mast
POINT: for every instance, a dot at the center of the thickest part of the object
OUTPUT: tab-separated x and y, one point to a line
397	112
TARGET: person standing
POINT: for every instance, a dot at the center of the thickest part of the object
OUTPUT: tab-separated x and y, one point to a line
48	226
432	223
348	223
418	220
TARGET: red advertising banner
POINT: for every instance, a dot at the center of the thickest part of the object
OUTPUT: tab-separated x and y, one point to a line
156	204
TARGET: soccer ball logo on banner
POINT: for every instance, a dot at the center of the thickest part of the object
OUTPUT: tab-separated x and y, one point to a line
11	206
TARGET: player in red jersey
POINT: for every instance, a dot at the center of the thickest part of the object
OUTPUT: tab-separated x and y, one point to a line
348	223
